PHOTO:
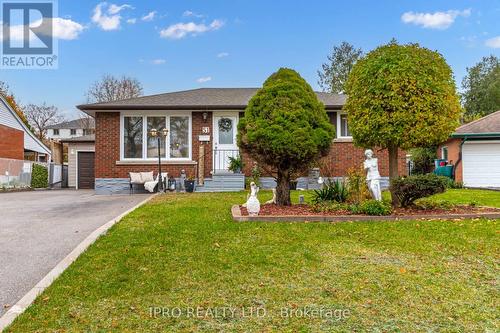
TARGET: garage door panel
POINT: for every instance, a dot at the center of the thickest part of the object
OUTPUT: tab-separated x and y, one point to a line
86	178
481	164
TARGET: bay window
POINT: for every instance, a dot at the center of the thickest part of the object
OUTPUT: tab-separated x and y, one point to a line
179	137
138	144
158	123
132	137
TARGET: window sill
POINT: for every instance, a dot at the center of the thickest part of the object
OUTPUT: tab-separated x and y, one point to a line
343	139
150	162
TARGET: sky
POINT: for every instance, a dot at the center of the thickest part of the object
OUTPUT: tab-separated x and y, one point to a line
179	45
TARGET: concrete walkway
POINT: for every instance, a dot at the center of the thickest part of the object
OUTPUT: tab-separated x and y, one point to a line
39	228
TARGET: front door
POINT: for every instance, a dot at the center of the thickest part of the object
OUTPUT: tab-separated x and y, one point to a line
225	127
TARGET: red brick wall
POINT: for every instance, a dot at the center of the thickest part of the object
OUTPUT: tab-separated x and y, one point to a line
343	156
108	149
453	156
11	143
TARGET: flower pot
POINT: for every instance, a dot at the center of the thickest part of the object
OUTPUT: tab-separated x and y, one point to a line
189	185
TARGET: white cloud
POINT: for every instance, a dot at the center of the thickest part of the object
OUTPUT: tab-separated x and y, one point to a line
493	42
204	79
437	20
222	55
149	17
132	21
115	9
64	29
110	20
188	13
158	61
181	30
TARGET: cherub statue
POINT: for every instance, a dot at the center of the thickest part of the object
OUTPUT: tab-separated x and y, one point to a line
372	175
253	204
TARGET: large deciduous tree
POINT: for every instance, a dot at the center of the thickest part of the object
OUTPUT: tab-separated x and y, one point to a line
41	117
285	128
401	96
481	88
334	73
111	88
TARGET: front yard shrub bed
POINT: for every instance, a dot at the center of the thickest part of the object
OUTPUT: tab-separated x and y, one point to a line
368	208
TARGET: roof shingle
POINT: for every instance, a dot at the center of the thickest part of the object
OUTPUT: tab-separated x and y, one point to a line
486	125
73	124
203	98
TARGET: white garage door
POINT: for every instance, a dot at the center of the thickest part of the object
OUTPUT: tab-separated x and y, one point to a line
481	164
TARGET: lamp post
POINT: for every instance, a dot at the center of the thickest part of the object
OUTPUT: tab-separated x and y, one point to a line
154	134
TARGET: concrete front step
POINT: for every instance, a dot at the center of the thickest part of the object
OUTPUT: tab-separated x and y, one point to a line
201	189
227	182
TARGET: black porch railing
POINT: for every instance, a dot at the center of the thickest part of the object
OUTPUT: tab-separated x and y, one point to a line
221	159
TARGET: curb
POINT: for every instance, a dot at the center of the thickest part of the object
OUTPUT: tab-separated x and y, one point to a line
47	280
238	217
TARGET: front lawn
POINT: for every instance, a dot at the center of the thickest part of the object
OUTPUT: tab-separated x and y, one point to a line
184	252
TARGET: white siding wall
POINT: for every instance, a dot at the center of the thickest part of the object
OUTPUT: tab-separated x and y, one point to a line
73	149
64	133
8	119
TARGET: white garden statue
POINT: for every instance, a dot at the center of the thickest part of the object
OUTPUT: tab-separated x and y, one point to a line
372	175
253	204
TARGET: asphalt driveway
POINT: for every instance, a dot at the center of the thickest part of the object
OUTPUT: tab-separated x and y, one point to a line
39	228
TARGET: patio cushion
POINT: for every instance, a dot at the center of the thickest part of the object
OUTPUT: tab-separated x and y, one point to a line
150	186
147	177
135	178
164	175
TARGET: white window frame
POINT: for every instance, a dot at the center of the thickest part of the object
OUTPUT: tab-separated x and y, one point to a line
167	115
442	152
339	127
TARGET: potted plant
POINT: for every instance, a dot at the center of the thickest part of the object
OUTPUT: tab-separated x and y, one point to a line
189	184
235	164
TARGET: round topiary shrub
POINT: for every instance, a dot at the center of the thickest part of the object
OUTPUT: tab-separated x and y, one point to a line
409	189
39	176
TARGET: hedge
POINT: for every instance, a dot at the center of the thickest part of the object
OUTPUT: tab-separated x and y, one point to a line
39	176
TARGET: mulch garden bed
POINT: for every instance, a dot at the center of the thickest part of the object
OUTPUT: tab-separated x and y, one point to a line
307	210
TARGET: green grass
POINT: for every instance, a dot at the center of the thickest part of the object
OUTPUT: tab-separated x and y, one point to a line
463	196
184	251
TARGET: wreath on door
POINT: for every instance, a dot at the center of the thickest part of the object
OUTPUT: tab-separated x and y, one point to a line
225	124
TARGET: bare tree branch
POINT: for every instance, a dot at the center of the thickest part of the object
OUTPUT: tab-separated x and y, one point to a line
86	122
110	88
41	117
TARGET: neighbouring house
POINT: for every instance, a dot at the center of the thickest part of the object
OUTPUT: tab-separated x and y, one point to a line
71	129
474	151
202	126
16	139
81	159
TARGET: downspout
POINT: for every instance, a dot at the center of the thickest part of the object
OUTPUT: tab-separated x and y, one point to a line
459	156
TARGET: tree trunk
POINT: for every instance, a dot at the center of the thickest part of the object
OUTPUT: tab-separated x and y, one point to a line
283	188
393	170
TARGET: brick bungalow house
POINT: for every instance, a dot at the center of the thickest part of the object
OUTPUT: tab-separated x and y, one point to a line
202	126
474	151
